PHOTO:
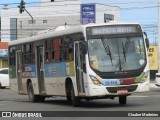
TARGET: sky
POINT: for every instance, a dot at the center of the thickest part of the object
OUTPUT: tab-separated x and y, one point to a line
144	12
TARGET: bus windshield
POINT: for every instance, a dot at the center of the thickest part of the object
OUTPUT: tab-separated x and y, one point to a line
122	53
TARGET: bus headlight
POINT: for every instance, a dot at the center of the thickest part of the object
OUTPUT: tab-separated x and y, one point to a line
95	80
145	77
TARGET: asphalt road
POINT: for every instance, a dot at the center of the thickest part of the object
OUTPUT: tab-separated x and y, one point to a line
148	101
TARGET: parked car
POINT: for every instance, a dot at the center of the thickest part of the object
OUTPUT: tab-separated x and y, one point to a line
157	80
4	78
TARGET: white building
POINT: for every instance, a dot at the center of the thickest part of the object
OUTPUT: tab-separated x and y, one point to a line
50	14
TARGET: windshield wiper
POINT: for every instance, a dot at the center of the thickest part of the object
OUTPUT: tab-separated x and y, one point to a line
106	46
125	48
124	51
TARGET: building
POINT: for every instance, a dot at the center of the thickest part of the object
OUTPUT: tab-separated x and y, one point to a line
51	14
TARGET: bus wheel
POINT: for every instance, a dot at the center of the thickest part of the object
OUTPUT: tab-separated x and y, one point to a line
75	100
69	99
31	96
122	100
1	87
69	96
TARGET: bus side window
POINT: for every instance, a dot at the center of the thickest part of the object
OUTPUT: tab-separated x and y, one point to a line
57	48
61	44
25	57
52	50
28	53
12	56
70	55
47	51
32	53
65	49
82	57
68	49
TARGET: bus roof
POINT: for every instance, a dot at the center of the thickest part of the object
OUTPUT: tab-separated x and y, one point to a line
56	33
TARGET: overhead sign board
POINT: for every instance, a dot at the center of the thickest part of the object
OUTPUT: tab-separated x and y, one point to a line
88	13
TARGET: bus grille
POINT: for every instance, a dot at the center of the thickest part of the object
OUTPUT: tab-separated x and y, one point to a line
115	89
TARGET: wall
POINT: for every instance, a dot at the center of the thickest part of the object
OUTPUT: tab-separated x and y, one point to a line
102	9
26	29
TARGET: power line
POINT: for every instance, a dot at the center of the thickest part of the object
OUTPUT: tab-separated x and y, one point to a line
128	7
37	2
137	3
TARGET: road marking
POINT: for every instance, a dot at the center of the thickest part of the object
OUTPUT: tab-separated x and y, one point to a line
152	85
139	96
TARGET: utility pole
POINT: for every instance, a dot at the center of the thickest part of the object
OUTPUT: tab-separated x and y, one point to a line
158	35
22	9
153	38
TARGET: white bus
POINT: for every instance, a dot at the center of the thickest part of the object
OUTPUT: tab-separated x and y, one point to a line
84	62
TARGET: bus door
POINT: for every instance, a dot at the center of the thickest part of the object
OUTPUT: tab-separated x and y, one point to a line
19	70
79	67
40	69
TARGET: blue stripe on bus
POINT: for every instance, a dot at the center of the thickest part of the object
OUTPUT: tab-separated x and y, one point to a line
50	70
55	69
29	71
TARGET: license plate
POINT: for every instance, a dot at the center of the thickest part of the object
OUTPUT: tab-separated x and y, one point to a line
122	91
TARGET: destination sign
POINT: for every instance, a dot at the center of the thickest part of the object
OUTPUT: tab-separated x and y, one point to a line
100	30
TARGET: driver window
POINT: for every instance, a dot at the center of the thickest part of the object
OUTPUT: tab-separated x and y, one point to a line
82	57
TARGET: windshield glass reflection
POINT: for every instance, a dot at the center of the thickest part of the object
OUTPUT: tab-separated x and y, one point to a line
116	54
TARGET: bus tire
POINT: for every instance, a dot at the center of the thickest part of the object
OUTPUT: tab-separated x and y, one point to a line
31	96
1	87
69	99
122	100
75	100
68	92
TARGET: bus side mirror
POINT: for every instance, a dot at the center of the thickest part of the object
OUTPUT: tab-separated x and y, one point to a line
147	42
